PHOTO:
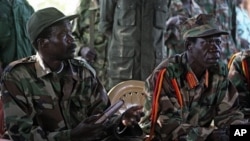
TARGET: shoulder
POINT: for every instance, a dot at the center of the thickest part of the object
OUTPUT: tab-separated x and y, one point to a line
81	62
173	65
220	69
13	65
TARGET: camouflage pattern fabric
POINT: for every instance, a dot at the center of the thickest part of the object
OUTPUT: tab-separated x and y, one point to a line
238	75
42	105
82	33
136	31
202	25
173	37
212	98
223	11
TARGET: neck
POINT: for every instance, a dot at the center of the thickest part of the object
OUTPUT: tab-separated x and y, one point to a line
196	67
60	68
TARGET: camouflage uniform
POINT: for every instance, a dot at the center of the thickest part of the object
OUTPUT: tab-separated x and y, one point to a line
188	97
83	33
224	10
239	76
174	41
42	105
136	31
201	104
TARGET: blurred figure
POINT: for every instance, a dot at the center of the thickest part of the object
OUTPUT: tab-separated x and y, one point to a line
135	29
243	24
180	11
239	74
92	44
14	43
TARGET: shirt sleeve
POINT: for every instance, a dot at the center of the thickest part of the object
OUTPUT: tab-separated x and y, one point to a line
171	123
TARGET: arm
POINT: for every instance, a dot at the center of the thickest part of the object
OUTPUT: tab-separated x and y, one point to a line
237	76
107	10
19	115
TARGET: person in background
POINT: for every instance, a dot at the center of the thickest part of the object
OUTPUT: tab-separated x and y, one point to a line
242	24
135	30
14	43
92	44
190	90
239	74
180	11
53	96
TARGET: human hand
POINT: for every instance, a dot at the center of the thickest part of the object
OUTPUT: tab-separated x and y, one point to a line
88	53
88	130
132	115
244	43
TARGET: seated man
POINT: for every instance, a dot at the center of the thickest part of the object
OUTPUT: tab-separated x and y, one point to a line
53	97
239	74
189	91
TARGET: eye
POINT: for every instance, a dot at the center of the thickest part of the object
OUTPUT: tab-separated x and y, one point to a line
217	41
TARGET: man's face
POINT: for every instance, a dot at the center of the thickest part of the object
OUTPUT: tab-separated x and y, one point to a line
207	50
61	42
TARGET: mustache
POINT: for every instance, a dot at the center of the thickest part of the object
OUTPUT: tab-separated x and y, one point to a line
72	45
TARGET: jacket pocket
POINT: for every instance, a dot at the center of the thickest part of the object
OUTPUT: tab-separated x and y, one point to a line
5	30
126	12
161	13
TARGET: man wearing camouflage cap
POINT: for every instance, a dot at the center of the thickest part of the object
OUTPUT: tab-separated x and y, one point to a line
188	91
52	96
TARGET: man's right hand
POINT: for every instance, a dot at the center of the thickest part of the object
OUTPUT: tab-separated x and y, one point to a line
88	130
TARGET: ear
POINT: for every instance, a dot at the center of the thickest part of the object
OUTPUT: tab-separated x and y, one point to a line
187	44
42	42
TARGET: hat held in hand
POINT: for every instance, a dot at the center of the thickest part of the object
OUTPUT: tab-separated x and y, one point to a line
44	18
201	25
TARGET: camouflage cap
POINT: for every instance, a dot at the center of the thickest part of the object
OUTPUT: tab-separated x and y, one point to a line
44	18
200	26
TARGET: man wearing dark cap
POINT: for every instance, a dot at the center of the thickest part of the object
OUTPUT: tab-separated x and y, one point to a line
52	96
189	91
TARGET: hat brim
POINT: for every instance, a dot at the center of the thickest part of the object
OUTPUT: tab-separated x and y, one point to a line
211	32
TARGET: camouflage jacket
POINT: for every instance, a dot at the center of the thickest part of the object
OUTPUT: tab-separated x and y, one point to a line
211	98
239	66
41	105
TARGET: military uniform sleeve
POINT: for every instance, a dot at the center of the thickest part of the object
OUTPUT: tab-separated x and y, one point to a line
228	112
19	114
170	123
236	75
107	9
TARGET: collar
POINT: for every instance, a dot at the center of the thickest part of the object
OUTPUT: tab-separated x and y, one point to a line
193	81
42	69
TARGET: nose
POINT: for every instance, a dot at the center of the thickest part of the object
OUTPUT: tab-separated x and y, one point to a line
214	47
70	38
